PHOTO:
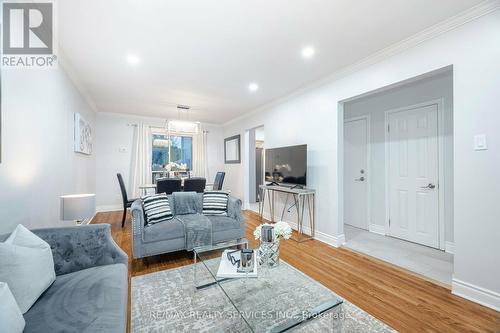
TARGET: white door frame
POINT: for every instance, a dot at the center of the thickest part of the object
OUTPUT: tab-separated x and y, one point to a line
368	175
441	150
249	166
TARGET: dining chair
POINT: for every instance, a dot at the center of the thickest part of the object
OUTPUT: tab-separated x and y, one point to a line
168	185
219	180
126	202
196	184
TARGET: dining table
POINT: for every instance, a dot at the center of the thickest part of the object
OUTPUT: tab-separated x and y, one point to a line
146	187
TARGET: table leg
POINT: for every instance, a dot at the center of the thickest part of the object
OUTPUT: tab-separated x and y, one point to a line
297	208
303	206
195	268
284	207
300	203
274	203
311	218
271	204
261	203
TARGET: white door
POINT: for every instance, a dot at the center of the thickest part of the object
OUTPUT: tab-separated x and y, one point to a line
413	175
355	167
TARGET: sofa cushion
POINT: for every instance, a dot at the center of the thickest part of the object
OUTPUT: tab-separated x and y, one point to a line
220	223
89	300
225	228
163	231
156	208
197	228
215	203
27	266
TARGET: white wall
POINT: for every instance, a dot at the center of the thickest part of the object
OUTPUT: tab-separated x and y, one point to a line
436	87
259	133
38	161
114	154
311	117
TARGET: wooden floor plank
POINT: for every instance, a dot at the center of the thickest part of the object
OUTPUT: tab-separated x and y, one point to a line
401	299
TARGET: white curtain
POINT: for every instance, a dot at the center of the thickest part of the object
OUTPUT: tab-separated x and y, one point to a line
141	160
200	165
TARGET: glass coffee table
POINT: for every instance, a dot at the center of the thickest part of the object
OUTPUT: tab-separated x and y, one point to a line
277	300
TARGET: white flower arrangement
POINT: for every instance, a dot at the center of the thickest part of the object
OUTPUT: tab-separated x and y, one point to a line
172	166
281	230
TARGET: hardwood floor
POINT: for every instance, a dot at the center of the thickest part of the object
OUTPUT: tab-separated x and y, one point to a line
401	299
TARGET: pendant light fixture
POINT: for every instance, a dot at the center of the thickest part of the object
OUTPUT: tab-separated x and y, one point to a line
182	124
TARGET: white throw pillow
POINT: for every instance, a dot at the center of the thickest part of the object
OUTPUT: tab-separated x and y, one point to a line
156	208
11	318
215	203
27	266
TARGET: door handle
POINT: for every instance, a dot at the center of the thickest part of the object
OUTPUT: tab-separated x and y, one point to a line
360	179
430	186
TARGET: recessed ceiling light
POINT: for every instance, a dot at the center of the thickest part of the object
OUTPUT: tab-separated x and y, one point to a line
132	59
308	52
253	86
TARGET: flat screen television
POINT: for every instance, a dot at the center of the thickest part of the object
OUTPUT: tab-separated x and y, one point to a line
286	165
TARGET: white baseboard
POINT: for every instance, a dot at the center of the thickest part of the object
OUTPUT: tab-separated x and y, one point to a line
89	221
377	229
335	241
449	247
476	294
108	208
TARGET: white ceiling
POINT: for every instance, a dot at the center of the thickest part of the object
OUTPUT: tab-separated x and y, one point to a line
204	53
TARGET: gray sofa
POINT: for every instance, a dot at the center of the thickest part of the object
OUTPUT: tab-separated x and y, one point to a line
91	288
169	236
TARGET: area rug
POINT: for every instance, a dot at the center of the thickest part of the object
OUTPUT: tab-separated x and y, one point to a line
168	301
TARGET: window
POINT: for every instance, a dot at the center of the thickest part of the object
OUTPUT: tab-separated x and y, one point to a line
181	150
160	152
178	149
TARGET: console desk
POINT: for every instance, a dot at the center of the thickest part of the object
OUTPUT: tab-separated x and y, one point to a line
301	198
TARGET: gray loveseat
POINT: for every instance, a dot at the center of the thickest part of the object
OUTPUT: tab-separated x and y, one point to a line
91	288
169	236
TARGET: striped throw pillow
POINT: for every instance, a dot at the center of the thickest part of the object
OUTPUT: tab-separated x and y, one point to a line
156	208
215	203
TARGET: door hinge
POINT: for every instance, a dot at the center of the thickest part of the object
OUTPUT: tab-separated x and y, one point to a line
388	127
389	223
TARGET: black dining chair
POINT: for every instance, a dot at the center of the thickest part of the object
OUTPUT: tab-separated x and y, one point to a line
168	185
195	184
126	202
219	180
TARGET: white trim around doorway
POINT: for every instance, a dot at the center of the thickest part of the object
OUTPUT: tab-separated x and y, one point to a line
441	153
368	166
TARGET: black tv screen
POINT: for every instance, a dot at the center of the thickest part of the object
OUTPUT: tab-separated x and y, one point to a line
286	165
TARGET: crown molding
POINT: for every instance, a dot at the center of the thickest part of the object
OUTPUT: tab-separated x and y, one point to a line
151	120
454	22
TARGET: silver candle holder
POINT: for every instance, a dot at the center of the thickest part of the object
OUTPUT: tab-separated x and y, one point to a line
247	261
267	233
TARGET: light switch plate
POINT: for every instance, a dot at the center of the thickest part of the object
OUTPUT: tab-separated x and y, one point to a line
122	149
480	142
